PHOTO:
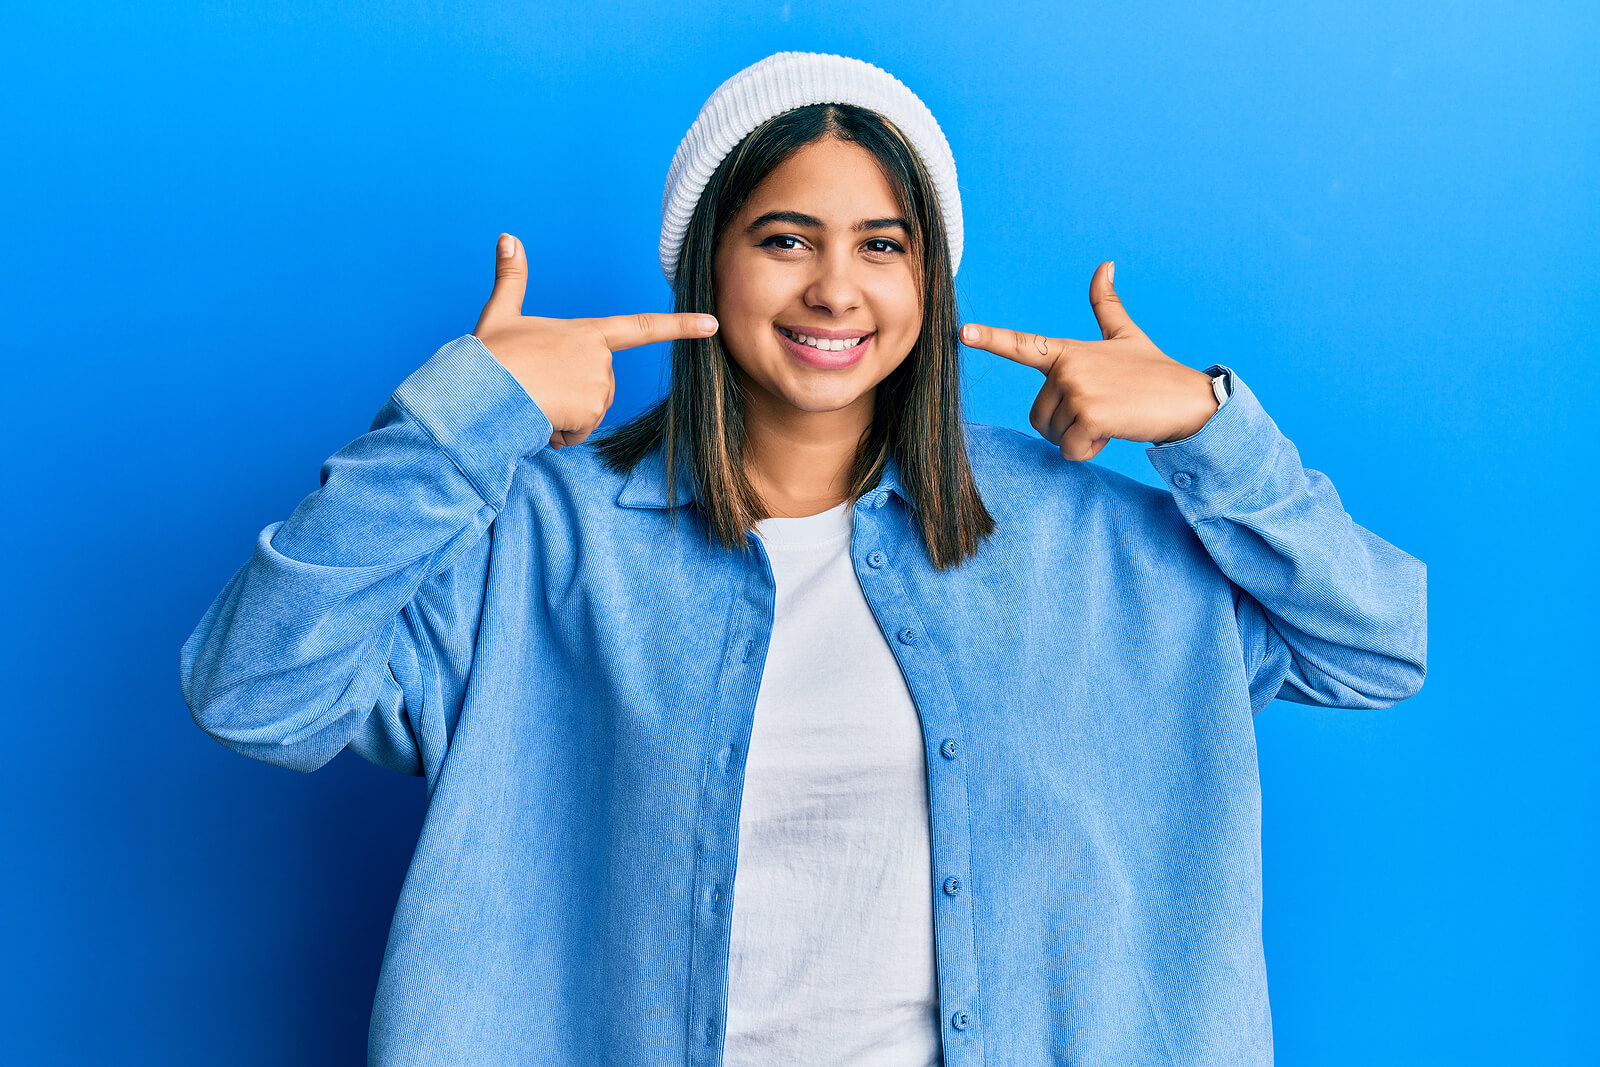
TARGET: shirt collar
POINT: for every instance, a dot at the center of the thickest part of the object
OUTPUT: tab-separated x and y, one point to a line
646	484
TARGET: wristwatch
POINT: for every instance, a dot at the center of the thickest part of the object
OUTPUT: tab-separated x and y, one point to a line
1222	387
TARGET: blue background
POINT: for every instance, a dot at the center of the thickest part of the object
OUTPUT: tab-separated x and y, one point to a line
230	230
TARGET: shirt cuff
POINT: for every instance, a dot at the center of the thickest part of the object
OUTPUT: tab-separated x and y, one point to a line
477	411
1210	468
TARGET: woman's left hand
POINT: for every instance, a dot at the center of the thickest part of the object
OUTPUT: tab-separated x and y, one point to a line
1122	386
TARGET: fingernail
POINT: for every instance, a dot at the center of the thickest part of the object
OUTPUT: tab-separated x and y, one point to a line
508	246
1111	273
708	323
969	333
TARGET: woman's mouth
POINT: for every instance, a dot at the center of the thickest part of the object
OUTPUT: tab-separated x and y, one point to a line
822	353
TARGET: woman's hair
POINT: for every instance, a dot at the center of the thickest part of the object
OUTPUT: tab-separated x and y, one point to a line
917	410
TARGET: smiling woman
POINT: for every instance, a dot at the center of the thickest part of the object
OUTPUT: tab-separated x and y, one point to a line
861	774
823	223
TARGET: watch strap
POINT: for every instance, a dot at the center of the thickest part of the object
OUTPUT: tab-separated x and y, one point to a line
1222	387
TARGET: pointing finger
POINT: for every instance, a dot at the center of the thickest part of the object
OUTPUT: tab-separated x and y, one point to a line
628	331
1033	349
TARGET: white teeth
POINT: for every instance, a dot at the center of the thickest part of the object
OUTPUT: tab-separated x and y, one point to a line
823	343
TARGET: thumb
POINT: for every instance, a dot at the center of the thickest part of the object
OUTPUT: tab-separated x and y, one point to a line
510	280
1108	310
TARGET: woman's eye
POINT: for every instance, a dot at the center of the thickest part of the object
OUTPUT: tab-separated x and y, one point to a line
888	245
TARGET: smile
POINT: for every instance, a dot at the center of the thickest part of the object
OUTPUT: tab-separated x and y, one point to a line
823	343
823	353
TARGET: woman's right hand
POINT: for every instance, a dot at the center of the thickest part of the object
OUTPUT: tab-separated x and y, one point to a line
565	364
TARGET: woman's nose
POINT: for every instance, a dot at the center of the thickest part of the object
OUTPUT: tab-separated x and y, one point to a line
835	286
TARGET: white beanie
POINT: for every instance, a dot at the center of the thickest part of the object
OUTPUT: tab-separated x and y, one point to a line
780	83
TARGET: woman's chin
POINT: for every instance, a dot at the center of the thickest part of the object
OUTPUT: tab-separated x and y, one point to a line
813	390
821	396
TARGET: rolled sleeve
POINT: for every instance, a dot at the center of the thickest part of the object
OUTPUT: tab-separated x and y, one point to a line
1208	469
476	411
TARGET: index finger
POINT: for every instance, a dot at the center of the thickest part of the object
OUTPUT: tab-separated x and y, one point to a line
648	327
1033	349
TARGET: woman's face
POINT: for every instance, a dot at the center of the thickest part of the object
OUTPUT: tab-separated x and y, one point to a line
794	260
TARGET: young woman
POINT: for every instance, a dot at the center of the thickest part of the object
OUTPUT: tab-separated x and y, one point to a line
800	720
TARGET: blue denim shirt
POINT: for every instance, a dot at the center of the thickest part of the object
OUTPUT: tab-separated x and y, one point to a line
575	682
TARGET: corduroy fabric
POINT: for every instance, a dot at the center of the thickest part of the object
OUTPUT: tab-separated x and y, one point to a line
576	681
783	82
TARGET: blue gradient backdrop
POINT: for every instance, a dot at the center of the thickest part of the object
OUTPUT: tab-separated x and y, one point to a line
228	231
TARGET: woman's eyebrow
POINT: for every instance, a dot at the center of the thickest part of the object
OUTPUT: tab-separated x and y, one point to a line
797	218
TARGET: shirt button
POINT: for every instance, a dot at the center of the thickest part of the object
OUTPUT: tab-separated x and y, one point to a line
876	559
960	1020
908	636
1180	479
952	885
948	749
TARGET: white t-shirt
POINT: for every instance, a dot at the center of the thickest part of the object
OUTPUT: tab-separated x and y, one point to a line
832	959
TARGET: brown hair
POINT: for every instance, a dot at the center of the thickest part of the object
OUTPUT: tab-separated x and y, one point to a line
917	410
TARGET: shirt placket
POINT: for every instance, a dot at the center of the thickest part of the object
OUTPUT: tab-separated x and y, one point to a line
717	835
944	739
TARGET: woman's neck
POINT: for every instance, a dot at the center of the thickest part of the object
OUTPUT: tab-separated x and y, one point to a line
799	461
